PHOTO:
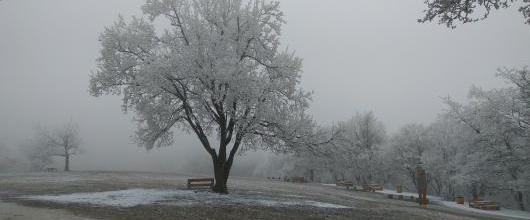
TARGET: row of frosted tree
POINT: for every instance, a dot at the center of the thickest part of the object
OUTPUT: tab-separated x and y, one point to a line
480	148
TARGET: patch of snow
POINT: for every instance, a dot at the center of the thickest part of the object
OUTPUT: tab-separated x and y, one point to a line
329	184
122	198
135	197
408	194
294	196
325	205
503	212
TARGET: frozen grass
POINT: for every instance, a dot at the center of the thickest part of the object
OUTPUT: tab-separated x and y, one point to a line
135	197
47	177
252	199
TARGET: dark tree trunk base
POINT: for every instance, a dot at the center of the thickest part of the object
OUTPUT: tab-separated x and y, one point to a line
67	163
221	171
520	200
220	188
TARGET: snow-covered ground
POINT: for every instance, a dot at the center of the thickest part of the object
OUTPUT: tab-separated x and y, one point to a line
503	212
451	204
135	197
104	195
408	194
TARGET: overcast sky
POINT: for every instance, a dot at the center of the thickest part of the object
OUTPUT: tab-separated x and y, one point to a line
358	56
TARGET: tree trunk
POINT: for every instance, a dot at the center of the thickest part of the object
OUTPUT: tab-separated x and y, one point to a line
358	179
412	175
519	199
67	162
221	172
474	191
333	174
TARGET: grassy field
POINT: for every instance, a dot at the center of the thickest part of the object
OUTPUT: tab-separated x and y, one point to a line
249	198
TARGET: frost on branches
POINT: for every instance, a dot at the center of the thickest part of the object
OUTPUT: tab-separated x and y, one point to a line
476	149
466	11
216	70
63	142
500	119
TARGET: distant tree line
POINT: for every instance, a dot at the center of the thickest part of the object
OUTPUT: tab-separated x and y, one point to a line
478	149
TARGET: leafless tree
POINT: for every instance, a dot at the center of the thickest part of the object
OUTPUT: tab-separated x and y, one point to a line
6	161
62	142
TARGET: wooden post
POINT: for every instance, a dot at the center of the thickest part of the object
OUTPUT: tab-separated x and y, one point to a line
399	189
460	200
421	180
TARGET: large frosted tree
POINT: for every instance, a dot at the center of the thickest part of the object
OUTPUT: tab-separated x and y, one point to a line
215	69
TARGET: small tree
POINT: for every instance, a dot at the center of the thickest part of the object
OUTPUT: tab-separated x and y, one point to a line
37	153
361	137
445	159
62	142
216	71
6	161
409	145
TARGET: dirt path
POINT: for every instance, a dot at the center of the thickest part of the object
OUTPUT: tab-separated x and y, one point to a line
12	211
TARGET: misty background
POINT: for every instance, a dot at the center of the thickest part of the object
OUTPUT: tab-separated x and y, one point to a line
358	56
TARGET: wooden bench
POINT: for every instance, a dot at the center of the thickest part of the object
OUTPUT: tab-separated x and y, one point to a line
372	187
345	183
51	169
273	178
296	179
400	197
483	204
200	183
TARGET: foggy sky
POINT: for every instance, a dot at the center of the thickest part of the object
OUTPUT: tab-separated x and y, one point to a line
358	56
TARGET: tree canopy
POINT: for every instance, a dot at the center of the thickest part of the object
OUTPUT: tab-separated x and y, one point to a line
215	69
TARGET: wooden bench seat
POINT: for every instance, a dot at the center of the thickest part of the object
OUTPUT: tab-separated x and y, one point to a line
51	169
296	179
194	183
372	187
345	183
483	204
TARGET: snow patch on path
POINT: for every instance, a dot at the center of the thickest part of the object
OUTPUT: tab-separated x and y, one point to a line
122	198
135	197
408	194
503	212
437	200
